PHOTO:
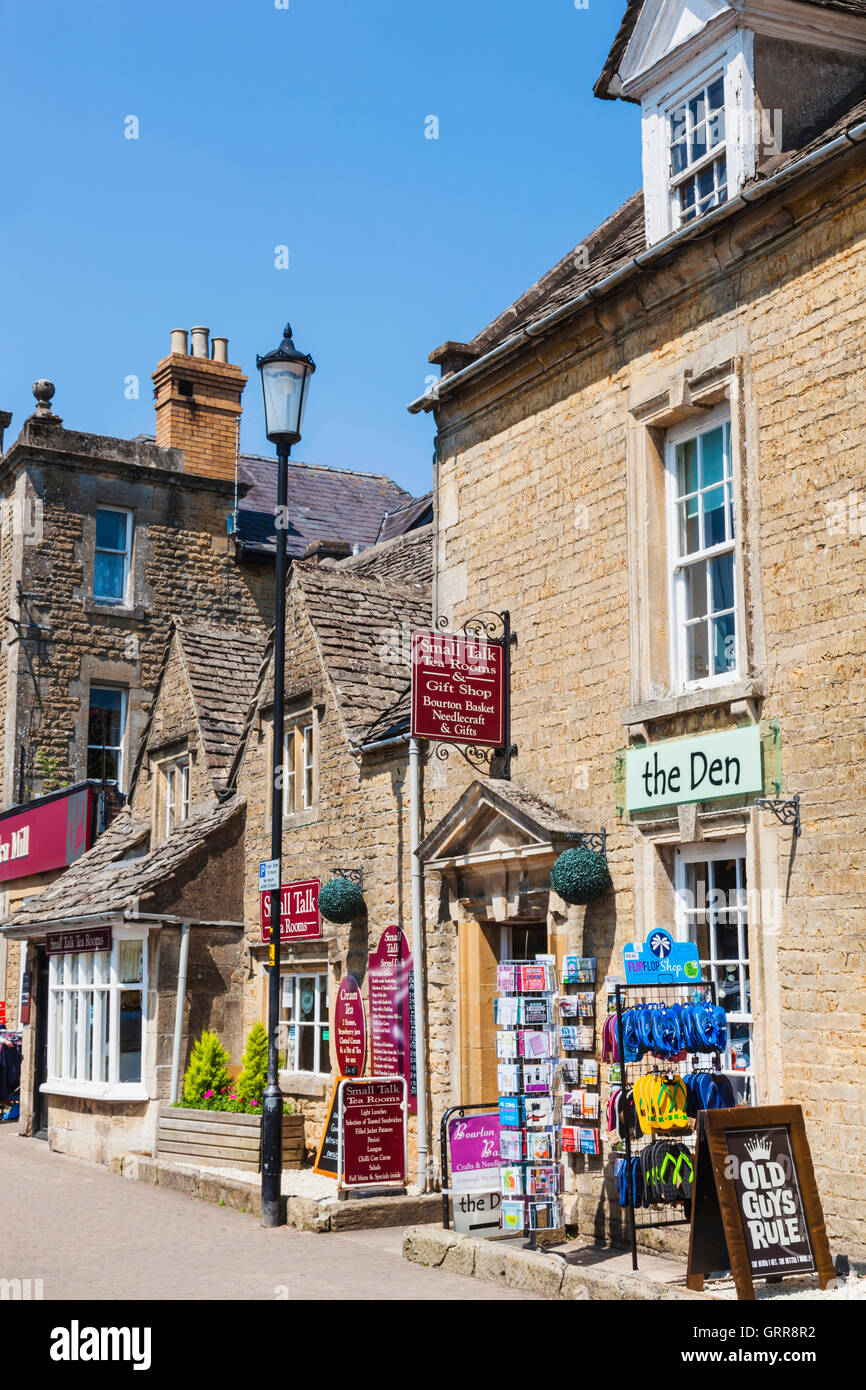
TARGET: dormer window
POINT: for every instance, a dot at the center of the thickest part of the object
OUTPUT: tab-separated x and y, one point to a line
698	157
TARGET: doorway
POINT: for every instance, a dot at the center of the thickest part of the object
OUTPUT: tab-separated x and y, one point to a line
481	947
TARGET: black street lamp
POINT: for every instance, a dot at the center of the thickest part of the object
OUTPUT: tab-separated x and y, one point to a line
285	377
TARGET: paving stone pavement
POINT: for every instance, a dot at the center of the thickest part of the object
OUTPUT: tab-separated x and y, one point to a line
91	1235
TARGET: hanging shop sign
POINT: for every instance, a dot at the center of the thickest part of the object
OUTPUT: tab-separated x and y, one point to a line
660	960
62	943
372	1131
392	1011
300	919
473	1159
350	1028
703	768
51	833
756	1208
458	689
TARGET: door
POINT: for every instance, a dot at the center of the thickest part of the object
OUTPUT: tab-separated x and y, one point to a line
481	947
40	1048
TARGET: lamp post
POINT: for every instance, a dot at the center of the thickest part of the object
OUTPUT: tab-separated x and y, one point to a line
285	377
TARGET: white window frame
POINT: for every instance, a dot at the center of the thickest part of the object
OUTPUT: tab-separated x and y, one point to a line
676	182
106	998
123	601
176	793
299	764
678	565
290	980
712	851
118	748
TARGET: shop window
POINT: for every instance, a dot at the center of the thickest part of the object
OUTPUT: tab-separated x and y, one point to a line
112	554
712	912
106	721
298	767
96	1017
175	778
305	1037
702	555
698	167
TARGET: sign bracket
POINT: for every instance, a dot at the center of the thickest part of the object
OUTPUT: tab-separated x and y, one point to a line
593	839
786	812
495	628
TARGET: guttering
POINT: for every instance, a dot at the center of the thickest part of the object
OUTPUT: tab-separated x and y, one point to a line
853	136
382	743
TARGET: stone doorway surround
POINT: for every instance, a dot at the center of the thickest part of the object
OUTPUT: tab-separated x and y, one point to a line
494	850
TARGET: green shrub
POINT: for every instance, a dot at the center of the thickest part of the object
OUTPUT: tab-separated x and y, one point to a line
254	1077
207	1071
580	875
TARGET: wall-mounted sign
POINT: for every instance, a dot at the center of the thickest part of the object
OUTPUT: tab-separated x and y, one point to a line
660	960
703	768
62	943
300	919
49	834
458	689
756	1208
372	1132
392	1011
350	1028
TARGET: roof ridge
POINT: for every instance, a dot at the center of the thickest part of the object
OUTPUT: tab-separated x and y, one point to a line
330	468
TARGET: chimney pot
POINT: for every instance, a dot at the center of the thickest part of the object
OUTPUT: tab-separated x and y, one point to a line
200	342
178	342
220	349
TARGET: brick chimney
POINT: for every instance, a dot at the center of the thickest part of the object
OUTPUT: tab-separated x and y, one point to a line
198	403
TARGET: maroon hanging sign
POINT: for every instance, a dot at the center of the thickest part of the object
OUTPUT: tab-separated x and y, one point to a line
392	1011
350	1028
458	689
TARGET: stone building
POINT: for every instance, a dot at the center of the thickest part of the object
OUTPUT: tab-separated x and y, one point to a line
653	461
183	854
104	543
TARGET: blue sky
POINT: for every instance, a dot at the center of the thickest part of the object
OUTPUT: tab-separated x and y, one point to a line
303	127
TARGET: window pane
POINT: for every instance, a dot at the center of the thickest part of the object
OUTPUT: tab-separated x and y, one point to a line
698	108
129	962
706	185
85	967
688	523
75	1009
716	129
740	1043
108	576
687	467
59	1020
712	457
111	530
714	517
306	1046
696	590
678	126
697	661
722	582
716	94
679	157
727	937
130	1035
325	1052
105	705
307	999
724	644
696	885
699	932
97	768
288	1000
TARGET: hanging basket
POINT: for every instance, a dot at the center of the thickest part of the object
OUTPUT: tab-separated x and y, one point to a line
580	875
340	900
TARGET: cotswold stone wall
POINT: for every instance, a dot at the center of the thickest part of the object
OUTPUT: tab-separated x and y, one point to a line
172	726
537	514
360	819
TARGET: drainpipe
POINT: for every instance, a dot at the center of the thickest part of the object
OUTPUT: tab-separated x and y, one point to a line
418	952
178	1010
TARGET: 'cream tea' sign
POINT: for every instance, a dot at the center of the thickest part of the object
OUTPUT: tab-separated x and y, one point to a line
703	768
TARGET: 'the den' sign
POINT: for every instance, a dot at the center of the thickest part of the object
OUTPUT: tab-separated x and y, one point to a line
703	768
458	689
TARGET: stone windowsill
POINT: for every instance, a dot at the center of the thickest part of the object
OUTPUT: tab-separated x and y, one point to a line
296	819
97	1090
129	612
718	697
298	1083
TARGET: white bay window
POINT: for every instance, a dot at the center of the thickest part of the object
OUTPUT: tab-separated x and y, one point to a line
96	1019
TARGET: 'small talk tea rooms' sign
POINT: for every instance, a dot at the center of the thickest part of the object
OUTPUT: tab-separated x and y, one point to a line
458	689
703	768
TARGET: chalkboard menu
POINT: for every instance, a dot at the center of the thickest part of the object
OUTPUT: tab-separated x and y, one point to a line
327	1155
755	1206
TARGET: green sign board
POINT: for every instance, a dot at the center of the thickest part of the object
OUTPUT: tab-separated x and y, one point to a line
703	768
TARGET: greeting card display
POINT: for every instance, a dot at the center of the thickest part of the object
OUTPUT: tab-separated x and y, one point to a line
511	1182
511	1145
511	1216
578	970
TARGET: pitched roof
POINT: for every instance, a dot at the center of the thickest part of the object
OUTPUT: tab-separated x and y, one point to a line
222	665
406	559
536	816
632	15
361	626
324	504
103	881
416	513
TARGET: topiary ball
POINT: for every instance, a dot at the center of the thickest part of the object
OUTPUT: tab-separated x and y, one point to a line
580	875
340	900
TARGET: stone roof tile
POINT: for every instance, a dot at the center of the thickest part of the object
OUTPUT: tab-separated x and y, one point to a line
222	665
